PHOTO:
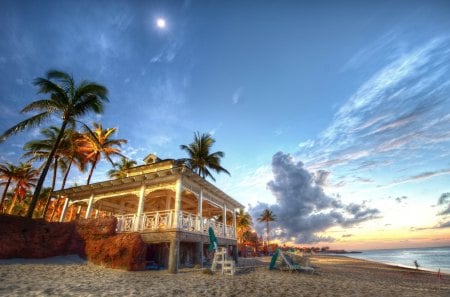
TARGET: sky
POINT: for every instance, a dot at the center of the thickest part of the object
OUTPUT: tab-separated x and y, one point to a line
335	115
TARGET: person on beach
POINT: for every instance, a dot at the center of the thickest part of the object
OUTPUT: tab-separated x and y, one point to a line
417	264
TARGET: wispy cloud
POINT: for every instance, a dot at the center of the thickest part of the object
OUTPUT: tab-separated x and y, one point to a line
167	54
236	98
419	177
402	107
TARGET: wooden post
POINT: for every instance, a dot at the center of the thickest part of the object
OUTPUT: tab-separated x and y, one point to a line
224	220
199	254
178	189
140	209
90	205
200	213
64	210
235	253
173	255
234	223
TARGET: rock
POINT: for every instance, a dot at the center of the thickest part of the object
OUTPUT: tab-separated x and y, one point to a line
124	251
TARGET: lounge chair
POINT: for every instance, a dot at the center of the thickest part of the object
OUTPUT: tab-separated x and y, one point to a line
290	265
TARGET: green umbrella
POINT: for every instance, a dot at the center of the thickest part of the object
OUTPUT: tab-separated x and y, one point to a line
213	243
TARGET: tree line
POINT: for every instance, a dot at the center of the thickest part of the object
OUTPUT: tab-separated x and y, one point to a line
74	144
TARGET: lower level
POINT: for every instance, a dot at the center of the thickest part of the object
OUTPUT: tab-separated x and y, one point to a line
177	249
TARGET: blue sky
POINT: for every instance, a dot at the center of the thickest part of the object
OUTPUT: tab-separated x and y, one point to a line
347	101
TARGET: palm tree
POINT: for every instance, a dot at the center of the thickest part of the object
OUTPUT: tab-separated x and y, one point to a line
70	152
66	100
267	216
7	172
243	223
120	170
98	143
243	226
200	158
40	150
24	178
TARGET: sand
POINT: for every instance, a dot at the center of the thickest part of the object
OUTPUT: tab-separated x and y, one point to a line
338	276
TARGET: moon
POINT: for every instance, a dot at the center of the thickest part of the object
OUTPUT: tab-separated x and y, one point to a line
161	23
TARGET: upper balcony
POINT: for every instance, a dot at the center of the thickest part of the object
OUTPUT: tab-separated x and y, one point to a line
169	220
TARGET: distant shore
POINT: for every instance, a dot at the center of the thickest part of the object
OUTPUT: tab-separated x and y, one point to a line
337	276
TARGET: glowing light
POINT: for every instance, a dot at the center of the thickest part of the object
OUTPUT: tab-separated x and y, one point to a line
161	23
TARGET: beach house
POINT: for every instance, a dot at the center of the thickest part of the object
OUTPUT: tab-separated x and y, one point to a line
168	204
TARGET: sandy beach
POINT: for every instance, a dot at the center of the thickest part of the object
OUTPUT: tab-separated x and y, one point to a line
337	276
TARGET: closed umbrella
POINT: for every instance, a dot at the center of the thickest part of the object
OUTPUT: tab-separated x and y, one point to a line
213	243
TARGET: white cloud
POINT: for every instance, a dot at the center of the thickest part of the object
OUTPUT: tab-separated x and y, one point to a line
237	95
402	106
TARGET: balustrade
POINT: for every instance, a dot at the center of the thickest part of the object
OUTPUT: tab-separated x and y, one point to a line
165	220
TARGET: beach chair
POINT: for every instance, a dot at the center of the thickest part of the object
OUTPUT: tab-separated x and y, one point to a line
291	265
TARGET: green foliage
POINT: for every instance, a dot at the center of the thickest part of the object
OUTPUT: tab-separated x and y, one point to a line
200	158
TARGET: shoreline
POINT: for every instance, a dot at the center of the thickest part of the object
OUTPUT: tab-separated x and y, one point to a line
336	276
400	266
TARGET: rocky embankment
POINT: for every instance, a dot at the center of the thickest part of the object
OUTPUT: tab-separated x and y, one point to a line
93	239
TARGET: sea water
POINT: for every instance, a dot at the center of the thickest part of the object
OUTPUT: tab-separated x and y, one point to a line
431	259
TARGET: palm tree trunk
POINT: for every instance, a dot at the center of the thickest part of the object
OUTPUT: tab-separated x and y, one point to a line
13	202
49	198
4	193
91	171
66	174
268	240
41	180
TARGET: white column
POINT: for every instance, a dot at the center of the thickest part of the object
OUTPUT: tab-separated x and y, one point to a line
140	209
200	212
234	222
90	205
224	220
64	210
178	188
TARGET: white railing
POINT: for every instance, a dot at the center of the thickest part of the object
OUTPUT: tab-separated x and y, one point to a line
157	220
166	220
125	223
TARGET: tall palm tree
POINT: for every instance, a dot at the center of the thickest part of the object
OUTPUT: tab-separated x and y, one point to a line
7	172
267	216
98	143
120	169
66	100
201	159
40	150
24	178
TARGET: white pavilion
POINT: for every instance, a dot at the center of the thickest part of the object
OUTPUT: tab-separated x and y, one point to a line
168	204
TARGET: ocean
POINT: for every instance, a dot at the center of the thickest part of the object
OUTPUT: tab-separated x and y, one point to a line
430	259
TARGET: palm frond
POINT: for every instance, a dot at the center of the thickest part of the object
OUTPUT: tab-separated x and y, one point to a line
34	121
86	89
63	77
90	103
44	104
46	86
